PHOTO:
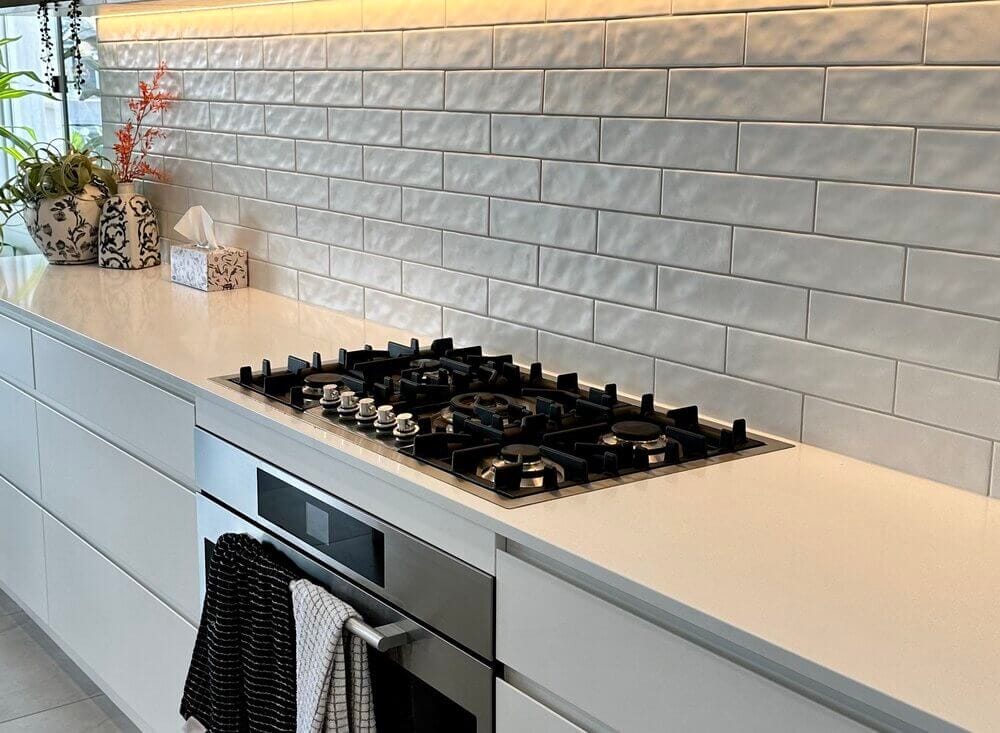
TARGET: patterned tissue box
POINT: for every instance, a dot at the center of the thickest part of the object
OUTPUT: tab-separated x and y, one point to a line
224	268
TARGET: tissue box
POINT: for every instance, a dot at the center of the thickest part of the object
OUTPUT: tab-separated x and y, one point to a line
224	268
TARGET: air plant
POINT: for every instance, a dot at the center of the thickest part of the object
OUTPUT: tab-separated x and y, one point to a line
136	137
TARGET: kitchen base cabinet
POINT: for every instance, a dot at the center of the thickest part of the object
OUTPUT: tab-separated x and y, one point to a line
633	675
135	644
18	439
22	549
518	713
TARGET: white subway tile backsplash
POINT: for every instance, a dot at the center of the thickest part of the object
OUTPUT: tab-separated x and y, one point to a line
297	188
492	257
458	131
768	307
209	85
235	53
252	240
271	217
342	230
276	87
405	167
266	152
669	337
365	199
402	241
577	9
739	199
458	48
601	186
706	40
966	404
295	122
273	279
670	143
369	126
725	398
213	146
549	46
786	94
394	310
843	265
958	159
570	315
963	34
565	138
493	91
365	50
328	88
915	216
847	152
383	14
366	269
446	287
239	180
496	337
184	172
298	254
455	211
329	159
614	93
555	226
189	115
333	294
927	451
404	89
476	12
972	345
594	363
691	244
182	54
138	55
227	117
516	178
295	52
631	283
887	35
956	282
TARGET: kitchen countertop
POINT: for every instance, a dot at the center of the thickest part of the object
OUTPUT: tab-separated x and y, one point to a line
878	584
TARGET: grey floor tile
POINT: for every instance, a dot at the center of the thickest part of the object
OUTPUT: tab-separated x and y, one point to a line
95	715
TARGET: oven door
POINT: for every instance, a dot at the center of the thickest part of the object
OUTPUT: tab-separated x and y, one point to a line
423	683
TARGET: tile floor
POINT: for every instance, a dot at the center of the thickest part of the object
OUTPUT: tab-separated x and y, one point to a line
41	689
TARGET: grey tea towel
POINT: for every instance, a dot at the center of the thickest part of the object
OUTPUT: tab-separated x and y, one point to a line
333	683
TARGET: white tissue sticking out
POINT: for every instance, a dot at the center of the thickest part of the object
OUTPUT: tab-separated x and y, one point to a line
197	226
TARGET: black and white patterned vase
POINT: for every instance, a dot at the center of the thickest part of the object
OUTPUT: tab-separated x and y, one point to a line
130	237
66	228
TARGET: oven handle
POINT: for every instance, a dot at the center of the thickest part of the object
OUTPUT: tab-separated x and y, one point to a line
379	638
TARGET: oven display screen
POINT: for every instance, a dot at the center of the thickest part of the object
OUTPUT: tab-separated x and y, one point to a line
339	536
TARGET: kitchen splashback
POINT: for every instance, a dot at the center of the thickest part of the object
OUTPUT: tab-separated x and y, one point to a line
785	214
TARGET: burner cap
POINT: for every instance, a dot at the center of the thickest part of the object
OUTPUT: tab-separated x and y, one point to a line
636	430
468	402
321	378
520	453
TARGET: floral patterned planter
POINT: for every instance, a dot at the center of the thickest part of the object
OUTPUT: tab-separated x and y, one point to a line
129	237
66	228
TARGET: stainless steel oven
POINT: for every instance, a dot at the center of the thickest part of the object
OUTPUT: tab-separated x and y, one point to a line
428	617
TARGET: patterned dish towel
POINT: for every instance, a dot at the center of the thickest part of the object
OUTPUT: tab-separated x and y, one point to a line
334	687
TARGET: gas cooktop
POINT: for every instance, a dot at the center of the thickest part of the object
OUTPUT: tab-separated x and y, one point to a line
509	434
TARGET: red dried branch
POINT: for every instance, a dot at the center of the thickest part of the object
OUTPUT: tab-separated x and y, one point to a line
135	142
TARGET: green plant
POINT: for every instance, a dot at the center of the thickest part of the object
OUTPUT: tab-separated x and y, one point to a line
45	172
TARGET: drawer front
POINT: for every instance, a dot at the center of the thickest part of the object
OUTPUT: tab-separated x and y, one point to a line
151	422
22	550
18	439
517	713
135	645
630	674
136	516
15	352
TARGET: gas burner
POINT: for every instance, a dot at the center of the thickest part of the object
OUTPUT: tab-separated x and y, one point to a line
467	403
427	364
529	459
639	434
313	384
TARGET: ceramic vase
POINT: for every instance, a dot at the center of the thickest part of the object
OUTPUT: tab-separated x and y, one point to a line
66	228
129	237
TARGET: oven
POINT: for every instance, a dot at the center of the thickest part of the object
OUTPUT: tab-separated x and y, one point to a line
428	617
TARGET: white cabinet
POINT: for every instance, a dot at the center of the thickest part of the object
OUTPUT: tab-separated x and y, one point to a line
138	517
18	439
15	352
135	644
518	713
22	549
631	674
151	422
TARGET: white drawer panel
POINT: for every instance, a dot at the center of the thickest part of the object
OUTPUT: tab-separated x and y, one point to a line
134	643
136	516
22	549
18	439
630	674
517	713
148	420
15	352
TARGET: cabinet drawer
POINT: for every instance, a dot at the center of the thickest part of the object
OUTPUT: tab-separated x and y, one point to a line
136	516
135	645
18	439
631	674
22	551
517	713
151	422
15	352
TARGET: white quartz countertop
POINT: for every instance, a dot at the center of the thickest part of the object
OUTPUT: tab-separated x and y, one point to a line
867	580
